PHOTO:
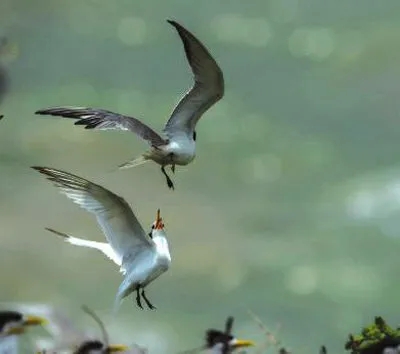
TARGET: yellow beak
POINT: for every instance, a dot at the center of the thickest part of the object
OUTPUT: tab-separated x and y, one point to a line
34	321
241	343
113	348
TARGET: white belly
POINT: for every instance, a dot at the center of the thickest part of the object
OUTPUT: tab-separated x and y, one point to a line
180	152
143	271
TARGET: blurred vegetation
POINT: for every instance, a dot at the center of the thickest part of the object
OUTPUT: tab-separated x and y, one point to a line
375	338
291	206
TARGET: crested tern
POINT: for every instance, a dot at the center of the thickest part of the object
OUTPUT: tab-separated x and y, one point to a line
13	324
222	342
66	336
141	257
178	146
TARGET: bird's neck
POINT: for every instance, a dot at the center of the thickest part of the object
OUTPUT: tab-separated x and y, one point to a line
161	245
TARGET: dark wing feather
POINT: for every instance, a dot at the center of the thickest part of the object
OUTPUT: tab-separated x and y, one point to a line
208	85
114	215
94	118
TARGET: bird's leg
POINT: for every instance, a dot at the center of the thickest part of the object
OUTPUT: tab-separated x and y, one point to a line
173	168
149	304
138	302
169	181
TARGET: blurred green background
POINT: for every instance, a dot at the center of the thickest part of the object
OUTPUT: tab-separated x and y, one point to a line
291	207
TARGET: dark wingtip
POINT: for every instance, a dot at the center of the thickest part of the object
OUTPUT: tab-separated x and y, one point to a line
42	111
40	169
88	124
80	122
175	24
56	232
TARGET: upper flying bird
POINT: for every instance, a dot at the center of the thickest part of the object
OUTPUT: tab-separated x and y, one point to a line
141	257
178	147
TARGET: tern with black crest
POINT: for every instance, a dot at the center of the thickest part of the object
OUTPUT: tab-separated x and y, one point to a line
14	323
141	257
221	342
178	145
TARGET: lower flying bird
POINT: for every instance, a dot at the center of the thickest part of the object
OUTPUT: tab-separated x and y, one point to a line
141	257
179	145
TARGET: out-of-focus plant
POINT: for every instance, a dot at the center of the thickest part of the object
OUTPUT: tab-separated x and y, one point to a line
377	338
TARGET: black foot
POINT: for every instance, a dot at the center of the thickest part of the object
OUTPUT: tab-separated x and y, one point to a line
138	301
148	303
169	181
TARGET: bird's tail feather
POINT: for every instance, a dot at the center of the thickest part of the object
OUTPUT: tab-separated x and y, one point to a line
116	306
103	247
135	162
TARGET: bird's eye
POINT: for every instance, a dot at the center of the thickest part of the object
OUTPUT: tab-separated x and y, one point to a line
152	227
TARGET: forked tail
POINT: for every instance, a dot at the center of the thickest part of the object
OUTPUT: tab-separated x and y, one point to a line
116	306
103	247
135	162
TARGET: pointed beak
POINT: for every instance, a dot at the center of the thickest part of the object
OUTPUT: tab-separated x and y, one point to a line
159	223
114	348
34	321
242	343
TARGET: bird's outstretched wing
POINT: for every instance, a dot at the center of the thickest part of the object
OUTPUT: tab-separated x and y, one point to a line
208	85
94	118
114	215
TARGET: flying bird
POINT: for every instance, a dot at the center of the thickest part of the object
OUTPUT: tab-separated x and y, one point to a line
177	146
222	342
141	257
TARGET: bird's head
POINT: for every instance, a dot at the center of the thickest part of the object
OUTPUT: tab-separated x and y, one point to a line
14	322
216	338
157	229
96	346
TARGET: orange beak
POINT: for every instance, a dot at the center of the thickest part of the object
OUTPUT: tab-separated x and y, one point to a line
159	222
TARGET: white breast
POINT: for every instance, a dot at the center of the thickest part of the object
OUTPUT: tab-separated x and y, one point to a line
183	150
